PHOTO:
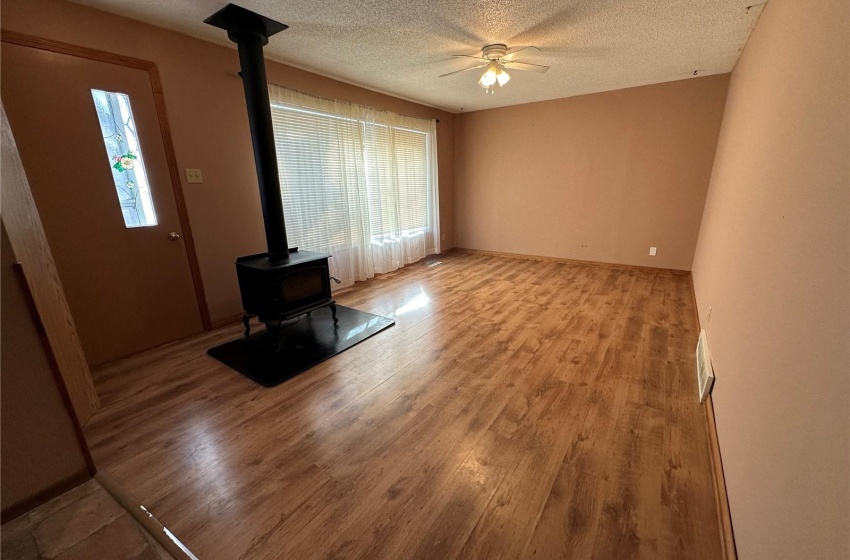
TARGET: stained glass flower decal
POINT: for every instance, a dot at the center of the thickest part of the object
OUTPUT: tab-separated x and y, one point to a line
125	162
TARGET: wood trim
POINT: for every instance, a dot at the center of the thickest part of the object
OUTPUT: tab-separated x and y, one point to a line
568	261
43	497
26	235
227	321
179	199
145	518
22	39
26	288
724	514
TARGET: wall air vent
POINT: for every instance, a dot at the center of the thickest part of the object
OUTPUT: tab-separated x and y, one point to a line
705	373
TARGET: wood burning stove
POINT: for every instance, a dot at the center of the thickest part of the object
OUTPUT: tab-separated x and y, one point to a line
283	283
278	291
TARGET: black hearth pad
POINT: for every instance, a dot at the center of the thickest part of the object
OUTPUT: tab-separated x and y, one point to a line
302	345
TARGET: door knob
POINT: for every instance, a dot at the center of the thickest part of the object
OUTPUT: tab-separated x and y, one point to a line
173	236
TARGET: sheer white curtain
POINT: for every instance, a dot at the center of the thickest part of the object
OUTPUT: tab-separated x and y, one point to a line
358	183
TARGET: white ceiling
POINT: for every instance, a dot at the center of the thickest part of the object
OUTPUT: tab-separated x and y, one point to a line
401	46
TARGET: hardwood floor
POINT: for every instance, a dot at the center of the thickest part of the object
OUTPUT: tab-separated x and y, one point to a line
518	409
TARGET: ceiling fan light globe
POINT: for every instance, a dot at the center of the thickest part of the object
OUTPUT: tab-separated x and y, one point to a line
503	77
488	79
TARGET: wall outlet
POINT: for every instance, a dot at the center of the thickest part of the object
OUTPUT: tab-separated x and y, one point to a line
653	251
443	237
194	176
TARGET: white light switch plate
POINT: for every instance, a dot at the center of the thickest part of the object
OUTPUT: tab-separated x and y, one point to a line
652	251
194	176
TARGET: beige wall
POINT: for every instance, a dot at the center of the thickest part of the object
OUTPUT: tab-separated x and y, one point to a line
599	177
206	110
772	276
40	452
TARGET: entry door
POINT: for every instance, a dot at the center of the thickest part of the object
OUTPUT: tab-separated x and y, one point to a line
97	168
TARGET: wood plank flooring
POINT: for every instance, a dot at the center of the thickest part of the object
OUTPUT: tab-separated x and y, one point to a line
518	409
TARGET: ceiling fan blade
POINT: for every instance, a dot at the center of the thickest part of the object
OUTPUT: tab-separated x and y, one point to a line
526	67
513	51
470	56
463	70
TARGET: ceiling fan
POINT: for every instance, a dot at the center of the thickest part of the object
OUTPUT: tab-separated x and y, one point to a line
498	58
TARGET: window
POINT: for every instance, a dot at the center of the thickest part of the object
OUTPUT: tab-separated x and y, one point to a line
401	172
125	158
358	183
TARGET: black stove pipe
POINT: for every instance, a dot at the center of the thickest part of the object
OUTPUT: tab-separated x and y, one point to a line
251	31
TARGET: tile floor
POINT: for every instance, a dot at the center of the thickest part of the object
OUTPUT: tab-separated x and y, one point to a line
84	523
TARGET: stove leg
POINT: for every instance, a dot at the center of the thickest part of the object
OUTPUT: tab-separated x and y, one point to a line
246	320
333	312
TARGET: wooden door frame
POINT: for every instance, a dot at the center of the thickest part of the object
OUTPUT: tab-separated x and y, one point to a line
24	40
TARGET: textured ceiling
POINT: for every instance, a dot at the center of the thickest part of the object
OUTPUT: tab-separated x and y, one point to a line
401	46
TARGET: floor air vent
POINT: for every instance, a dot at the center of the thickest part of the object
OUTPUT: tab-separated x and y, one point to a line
705	373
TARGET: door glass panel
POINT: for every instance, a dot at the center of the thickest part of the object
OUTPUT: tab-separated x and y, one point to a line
125	157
